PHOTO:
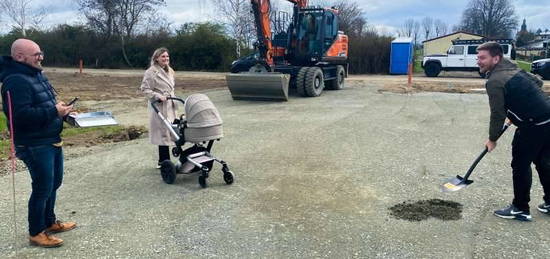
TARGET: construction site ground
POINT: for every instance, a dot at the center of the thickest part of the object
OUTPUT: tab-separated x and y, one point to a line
315	177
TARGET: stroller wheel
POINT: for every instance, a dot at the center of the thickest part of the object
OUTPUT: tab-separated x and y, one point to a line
202	181
168	171
228	177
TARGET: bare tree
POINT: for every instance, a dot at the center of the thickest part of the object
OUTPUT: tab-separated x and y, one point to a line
154	24
237	16
440	27
416	30
490	18
407	29
456	28
351	17
427	25
21	13
118	18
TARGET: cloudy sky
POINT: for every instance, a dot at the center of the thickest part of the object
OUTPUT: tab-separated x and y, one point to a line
385	15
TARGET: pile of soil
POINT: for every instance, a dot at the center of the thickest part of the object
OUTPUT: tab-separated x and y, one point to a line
422	210
129	133
95	138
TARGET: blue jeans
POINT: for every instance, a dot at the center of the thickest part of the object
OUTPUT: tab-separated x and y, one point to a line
45	164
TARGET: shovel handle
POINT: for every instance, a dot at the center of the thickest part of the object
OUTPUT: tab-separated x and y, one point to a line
485	151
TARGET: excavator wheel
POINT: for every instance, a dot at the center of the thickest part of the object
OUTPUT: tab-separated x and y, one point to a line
300	81
338	83
314	82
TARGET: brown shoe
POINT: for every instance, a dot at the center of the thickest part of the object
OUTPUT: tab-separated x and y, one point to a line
59	226
45	240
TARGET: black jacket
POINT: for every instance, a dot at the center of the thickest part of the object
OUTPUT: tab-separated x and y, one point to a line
515	94
35	117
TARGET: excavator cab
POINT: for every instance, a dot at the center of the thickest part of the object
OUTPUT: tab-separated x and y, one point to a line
314	34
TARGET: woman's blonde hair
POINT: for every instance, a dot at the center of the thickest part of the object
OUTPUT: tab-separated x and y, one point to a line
157	54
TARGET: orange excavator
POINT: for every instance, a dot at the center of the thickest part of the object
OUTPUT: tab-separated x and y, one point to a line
309	53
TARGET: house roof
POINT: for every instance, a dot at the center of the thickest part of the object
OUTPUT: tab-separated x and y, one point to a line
457	32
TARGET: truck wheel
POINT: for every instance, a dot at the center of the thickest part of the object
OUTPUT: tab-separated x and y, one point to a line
432	69
300	81
338	83
314	82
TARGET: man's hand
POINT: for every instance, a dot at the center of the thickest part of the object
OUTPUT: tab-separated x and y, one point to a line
508	122
162	98
63	109
490	145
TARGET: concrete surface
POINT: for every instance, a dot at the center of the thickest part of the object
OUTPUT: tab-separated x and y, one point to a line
314	178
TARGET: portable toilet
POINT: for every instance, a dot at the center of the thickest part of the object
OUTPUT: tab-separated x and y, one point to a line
401	55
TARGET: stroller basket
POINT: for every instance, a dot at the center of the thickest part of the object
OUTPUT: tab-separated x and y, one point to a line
201	124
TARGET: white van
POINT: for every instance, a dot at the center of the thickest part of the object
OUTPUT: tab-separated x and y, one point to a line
462	56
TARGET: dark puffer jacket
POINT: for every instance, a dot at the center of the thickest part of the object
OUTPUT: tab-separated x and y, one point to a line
35	117
515	94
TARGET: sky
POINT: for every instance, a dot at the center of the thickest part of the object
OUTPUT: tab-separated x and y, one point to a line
385	15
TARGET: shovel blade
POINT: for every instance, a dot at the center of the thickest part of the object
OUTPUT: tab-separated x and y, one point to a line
454	184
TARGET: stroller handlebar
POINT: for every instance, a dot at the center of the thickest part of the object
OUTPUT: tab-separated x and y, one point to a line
153	103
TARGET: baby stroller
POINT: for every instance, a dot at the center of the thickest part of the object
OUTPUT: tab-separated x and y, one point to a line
200	125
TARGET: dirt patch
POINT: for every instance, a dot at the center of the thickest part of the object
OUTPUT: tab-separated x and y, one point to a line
422	210
100	87
435	86
99	137
444	85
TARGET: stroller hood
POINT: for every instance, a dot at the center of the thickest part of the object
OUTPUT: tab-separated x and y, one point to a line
203	119
201	112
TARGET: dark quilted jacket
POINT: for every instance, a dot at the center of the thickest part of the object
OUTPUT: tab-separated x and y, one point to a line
33	101
515	94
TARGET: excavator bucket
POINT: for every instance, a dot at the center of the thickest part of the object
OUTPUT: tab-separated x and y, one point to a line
267	86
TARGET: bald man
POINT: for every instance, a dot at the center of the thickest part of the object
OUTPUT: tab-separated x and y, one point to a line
37	123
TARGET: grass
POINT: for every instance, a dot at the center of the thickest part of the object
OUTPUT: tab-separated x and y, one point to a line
524	65
3	124
68	131
106	130
418	66
4	143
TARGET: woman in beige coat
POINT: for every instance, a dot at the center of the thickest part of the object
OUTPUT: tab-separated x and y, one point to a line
158	83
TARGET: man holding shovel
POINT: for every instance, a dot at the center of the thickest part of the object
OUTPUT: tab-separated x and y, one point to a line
517	95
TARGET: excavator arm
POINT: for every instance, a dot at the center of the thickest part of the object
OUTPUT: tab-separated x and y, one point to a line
261	10
261	82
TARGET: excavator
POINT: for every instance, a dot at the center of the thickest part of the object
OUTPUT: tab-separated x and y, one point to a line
310	54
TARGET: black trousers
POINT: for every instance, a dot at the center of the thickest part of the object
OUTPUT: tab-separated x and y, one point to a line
530	145
164	153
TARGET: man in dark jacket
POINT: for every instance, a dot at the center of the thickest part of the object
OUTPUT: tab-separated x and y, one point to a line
516	94
37	124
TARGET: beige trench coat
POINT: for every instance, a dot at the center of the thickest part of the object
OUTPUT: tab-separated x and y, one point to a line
157	82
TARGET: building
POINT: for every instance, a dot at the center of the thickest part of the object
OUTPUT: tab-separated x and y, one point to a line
441	44
535	49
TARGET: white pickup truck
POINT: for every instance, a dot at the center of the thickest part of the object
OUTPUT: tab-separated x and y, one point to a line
462	56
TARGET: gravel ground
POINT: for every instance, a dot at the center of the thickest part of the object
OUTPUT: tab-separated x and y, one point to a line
315	177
